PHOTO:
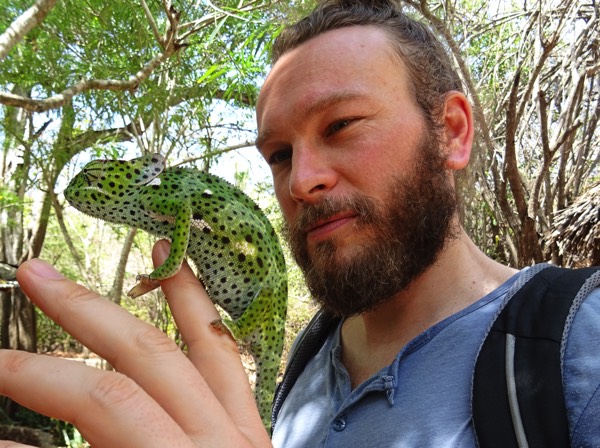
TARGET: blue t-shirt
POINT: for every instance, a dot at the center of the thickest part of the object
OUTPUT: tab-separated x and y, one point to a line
423	399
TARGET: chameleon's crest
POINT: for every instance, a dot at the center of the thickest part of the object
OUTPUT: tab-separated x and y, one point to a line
147	168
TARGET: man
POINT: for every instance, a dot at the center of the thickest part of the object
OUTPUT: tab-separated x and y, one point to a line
364	125
363	141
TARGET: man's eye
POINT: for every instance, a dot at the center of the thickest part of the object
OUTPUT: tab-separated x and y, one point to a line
337	126
280	156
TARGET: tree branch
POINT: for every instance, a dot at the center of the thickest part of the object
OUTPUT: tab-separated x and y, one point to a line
23	24
209	154
152	23
171	44
56	101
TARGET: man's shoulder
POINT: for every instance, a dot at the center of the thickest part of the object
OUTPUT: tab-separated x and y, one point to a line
545	310
581	368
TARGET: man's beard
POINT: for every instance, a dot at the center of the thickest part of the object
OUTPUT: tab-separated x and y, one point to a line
406	234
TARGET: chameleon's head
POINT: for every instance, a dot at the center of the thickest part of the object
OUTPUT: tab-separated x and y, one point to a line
101	188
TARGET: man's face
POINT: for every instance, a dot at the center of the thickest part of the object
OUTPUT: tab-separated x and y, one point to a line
359	177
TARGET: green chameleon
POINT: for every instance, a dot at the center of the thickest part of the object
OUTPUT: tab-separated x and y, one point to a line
225	234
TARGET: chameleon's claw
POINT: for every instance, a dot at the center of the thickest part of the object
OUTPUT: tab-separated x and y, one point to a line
219	326
145	284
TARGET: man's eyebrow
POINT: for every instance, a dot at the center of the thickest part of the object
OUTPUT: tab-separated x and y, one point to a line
318	106
326	102
262	137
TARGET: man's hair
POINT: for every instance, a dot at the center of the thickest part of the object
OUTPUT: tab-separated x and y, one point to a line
429	67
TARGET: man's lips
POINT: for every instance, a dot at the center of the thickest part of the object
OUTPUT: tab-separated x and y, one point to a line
324	226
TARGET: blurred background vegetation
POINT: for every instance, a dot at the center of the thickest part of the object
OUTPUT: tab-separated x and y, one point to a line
95	79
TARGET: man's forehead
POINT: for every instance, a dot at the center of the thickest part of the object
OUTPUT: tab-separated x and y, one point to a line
365	47
352	39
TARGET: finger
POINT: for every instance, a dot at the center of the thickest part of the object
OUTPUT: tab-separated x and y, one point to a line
133	347
106	407
10	444
215	355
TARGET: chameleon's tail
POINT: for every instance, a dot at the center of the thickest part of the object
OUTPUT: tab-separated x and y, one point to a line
267	370
261	327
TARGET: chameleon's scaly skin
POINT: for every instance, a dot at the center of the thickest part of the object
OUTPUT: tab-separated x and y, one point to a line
226	235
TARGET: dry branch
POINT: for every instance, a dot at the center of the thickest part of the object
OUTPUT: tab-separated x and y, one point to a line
577	230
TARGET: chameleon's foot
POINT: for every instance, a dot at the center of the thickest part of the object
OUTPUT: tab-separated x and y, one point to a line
145	284
220	327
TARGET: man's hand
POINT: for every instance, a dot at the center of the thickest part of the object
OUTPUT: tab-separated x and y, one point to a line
158	396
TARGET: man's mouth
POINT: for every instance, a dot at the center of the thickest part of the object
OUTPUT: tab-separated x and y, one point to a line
323	227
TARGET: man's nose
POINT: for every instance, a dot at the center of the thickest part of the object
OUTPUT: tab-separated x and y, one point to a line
311	176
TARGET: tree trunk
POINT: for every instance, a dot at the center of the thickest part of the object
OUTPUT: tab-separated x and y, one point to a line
22	321
117	288
17	317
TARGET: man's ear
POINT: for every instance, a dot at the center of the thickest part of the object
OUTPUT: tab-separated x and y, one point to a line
458	130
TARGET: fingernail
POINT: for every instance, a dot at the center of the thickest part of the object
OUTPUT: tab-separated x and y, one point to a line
162	249
44	270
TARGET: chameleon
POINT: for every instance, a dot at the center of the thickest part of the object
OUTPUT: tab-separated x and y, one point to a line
228	238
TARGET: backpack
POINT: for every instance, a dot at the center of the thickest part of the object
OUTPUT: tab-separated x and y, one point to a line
522	348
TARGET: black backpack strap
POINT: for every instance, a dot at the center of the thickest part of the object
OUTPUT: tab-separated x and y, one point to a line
518	398
307	345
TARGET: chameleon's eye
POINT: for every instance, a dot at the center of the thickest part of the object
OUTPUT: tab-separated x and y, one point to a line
89	179
91	176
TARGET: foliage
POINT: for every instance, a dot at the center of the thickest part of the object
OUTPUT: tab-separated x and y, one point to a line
73	438
61	433
532	73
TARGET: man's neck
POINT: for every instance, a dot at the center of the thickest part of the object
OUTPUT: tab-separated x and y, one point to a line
461	276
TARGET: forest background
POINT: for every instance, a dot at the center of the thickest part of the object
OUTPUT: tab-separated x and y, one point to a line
85	79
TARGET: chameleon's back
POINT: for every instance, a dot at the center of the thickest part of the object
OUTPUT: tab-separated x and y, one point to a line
231	242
